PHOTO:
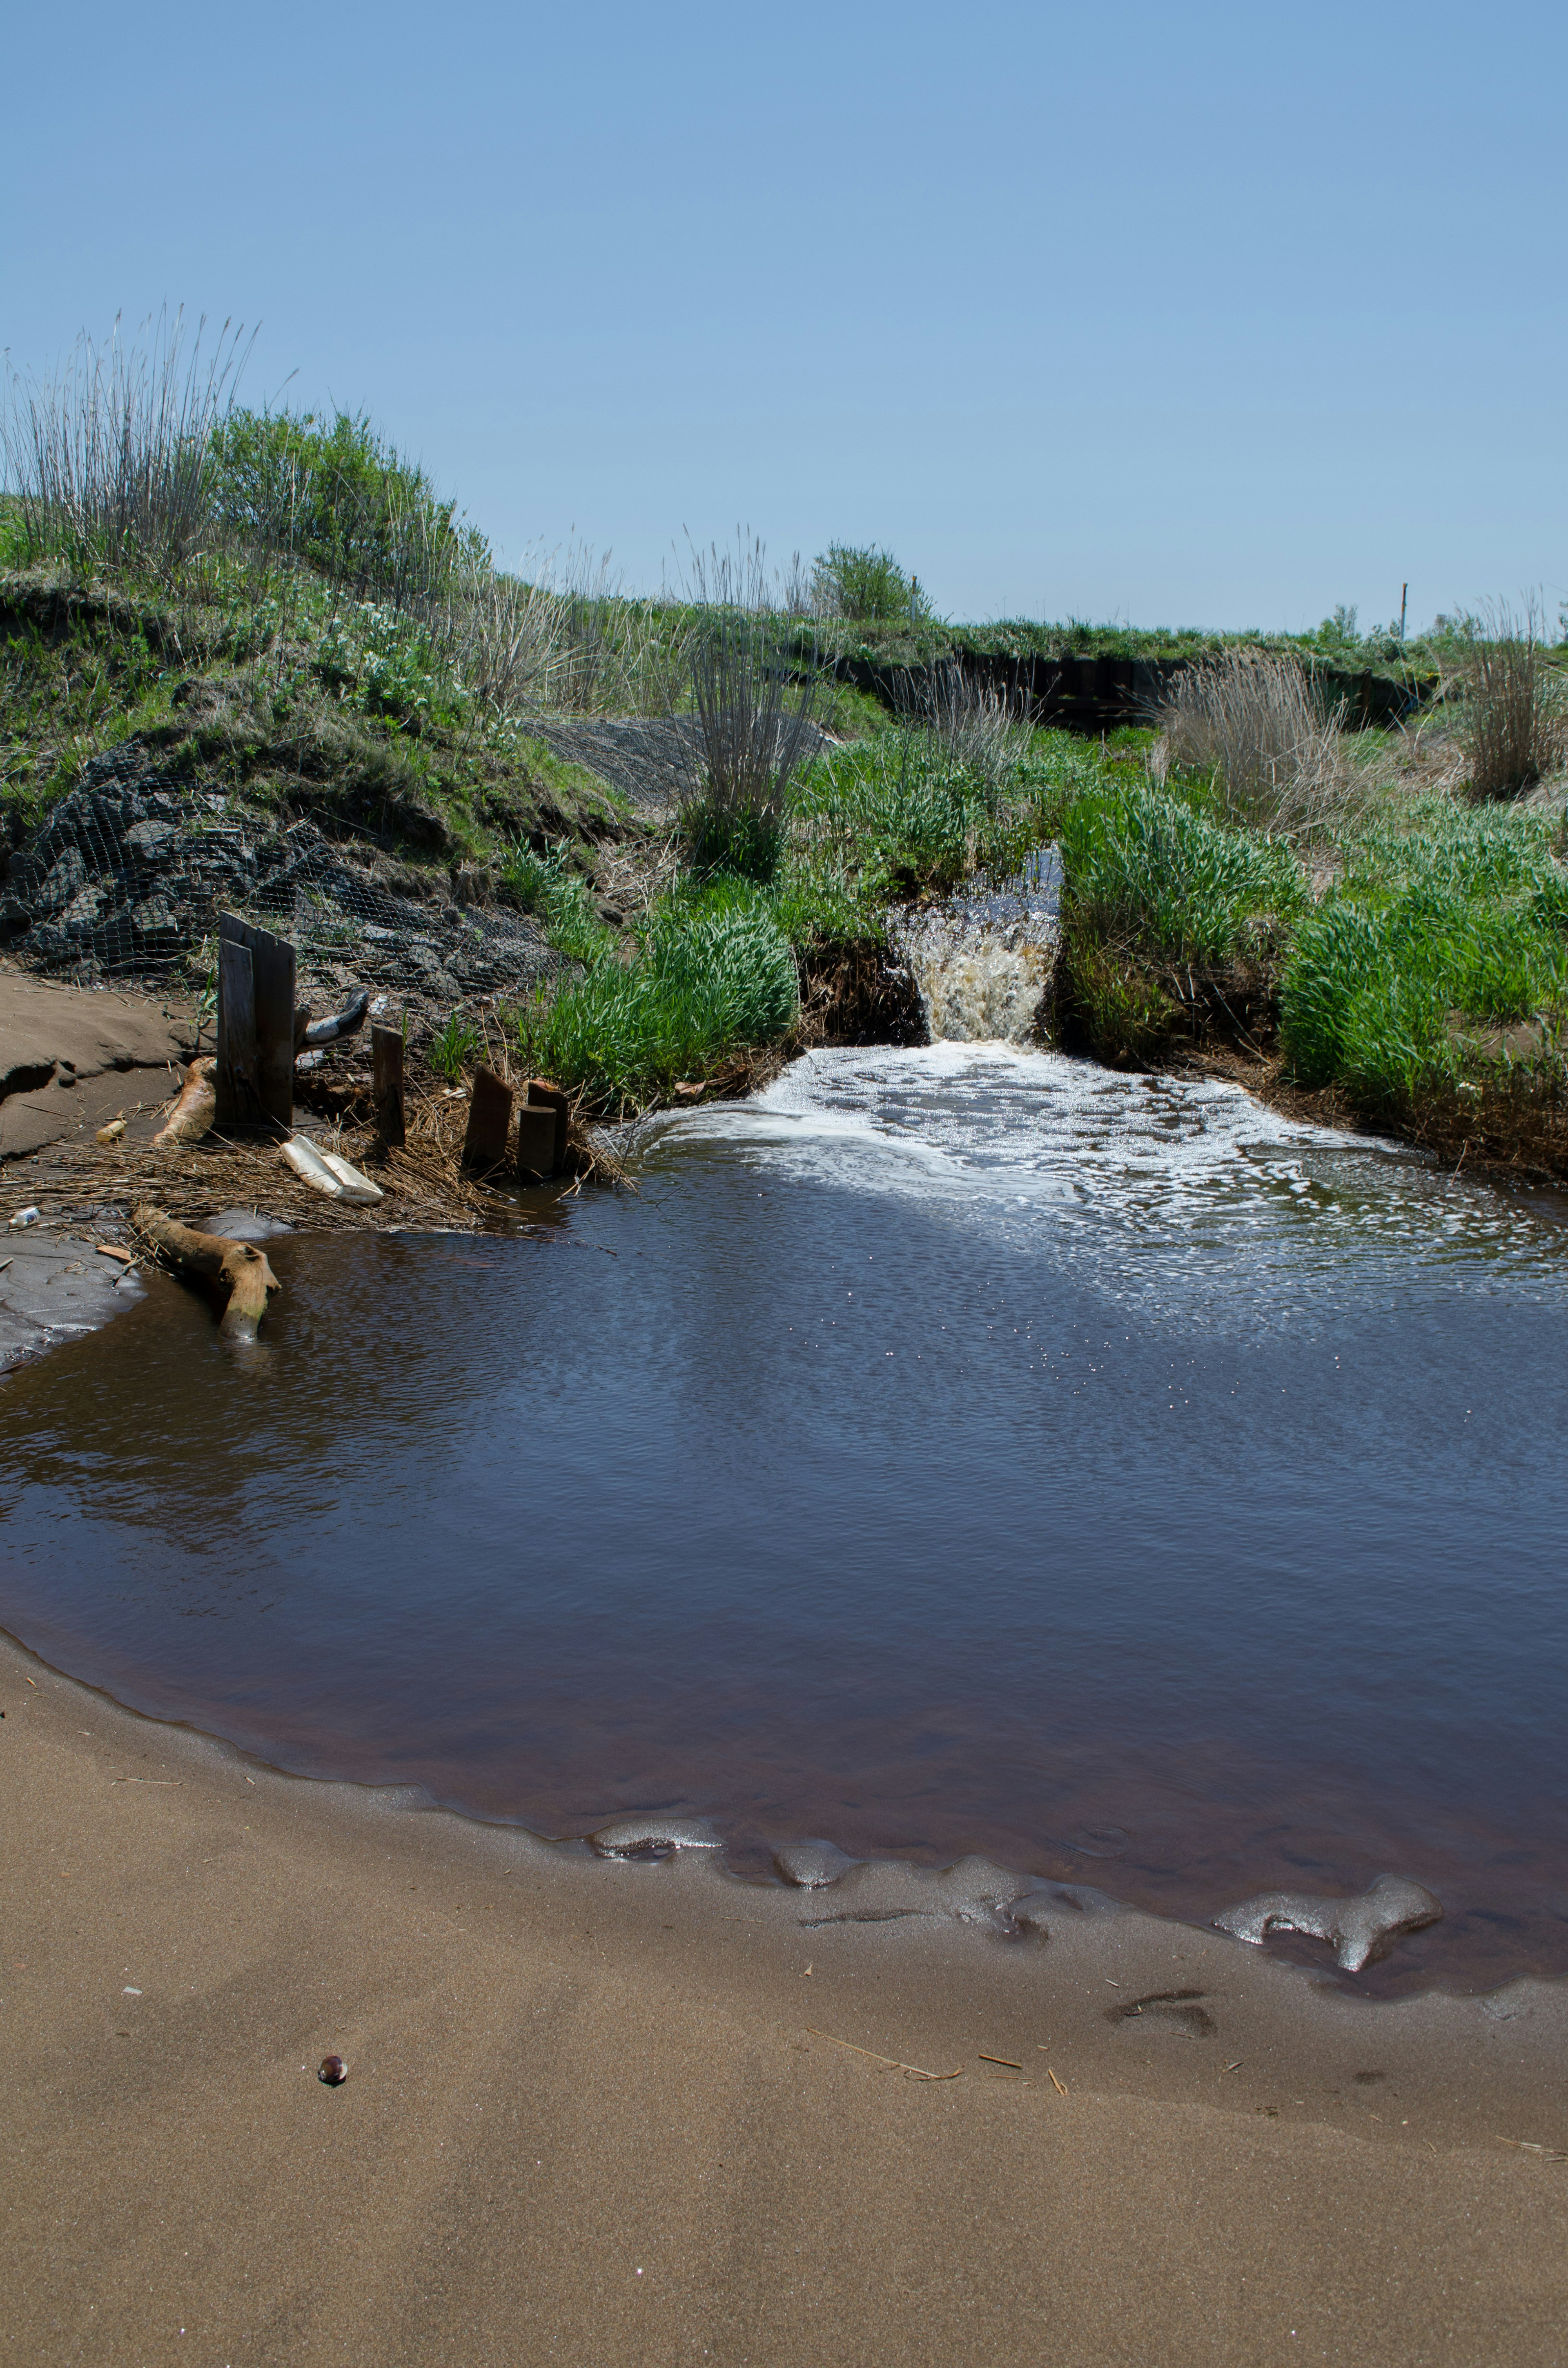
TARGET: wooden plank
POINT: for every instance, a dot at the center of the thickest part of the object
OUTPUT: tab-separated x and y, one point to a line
272	997
489	1122
238	1092
386	1064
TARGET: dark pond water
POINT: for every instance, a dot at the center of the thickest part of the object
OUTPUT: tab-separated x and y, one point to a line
959	1450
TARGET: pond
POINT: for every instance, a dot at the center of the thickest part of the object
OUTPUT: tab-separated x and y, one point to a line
949	1449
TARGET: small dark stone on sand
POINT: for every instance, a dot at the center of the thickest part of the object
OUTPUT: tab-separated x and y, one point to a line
333	2072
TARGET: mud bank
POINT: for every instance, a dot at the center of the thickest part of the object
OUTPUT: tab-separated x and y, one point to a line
622	2109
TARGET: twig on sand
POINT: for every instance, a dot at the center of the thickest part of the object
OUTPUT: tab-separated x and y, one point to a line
1528	2146
889	2063
1051	2076
999	2059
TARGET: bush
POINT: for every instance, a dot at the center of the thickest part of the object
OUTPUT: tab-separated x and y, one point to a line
110	462
866	586
332	492
547	886
713	974
907	816
754	727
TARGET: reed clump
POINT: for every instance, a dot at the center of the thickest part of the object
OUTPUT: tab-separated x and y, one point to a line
1247	719
1515	717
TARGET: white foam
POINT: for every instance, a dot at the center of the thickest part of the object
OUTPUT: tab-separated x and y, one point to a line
1151	1177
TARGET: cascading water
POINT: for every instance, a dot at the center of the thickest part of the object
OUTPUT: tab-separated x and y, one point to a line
982	962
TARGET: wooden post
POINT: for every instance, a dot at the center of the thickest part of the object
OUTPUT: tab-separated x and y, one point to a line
536	1140
239	1093
265	1103
542	1093
489	1122
386	1059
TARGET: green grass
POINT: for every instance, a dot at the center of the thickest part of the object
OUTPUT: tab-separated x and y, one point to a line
1159	895
1443	933
907	820
710	972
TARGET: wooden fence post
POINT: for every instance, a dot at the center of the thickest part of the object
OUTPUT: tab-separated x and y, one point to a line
256	1028
489	1122
386	1057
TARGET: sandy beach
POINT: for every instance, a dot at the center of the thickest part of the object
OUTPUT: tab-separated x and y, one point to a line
591	2113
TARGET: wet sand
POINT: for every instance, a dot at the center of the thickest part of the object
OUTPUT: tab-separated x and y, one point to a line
587	2119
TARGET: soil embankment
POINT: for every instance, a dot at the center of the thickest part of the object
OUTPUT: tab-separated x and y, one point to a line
590	2112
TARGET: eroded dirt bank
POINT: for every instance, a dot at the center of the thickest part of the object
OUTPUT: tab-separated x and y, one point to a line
590	2115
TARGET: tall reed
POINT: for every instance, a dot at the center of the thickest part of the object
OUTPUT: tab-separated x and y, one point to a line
1515	711
110	461
1249	718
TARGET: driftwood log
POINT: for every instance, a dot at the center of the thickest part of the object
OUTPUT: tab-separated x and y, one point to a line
238	1269
193	1114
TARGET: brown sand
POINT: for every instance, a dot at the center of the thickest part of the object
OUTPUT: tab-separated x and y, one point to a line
586	2120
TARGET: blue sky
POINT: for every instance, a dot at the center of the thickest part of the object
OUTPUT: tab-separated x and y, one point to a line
1216	315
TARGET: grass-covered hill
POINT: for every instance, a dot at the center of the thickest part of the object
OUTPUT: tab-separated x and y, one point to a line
276	620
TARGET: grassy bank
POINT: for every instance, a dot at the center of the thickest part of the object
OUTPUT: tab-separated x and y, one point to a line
282	610
1402	951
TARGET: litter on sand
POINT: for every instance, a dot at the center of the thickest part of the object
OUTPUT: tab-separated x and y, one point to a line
889	2063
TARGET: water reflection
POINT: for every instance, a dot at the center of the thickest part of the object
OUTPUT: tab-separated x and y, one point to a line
959	1450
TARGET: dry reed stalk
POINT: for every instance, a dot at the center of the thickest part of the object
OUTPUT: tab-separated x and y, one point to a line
1249	717
110	461
1515	721
972	723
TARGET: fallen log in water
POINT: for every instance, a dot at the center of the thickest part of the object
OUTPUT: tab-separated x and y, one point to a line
237	1269
194	1113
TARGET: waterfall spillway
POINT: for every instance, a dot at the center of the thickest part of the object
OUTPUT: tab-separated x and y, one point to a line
982	962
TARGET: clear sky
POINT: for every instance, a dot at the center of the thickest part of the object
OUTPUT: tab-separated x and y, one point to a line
1211	314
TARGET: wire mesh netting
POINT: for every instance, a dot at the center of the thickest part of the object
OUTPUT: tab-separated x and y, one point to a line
128	875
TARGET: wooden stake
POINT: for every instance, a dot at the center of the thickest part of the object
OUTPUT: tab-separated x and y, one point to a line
386	1058
237	1269
489	1122
256	1054
536	1140
540	1092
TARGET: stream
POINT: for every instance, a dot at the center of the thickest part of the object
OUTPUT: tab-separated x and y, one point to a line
960	1448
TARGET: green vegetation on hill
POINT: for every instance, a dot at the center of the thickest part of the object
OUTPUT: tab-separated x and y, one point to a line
282	606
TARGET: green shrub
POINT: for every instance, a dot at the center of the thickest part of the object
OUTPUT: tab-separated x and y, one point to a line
387	662
713	973
547	886
454	1048
717	838
867	586
333	493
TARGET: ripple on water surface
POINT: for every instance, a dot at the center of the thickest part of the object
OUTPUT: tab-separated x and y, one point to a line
951	1450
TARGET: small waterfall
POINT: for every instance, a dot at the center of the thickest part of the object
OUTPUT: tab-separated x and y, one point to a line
982	962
